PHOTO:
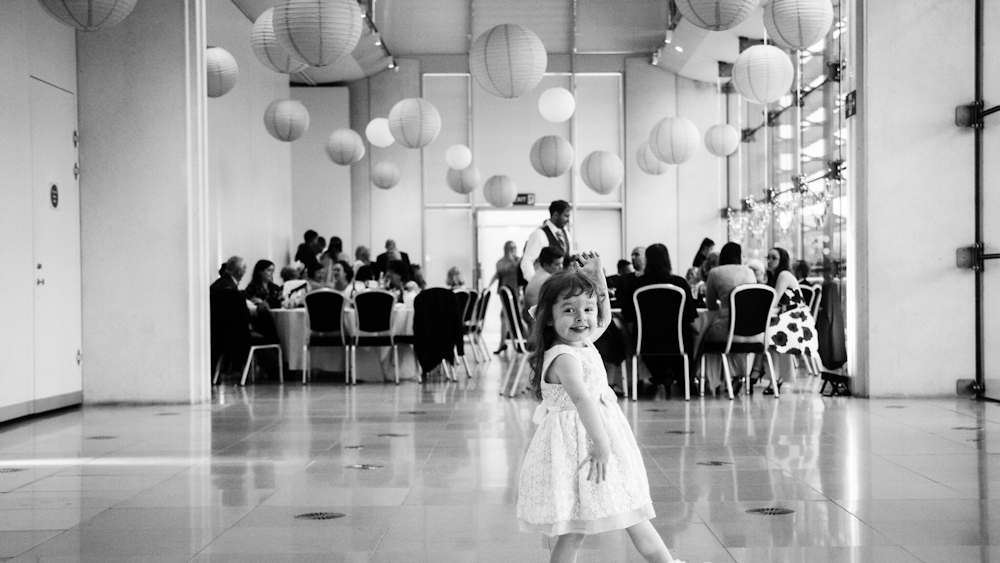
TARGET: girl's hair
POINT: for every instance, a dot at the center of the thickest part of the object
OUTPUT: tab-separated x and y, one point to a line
783	266
258	271
731	253
706	243
711	261
801	270
561	285
454	277
348	270
658	260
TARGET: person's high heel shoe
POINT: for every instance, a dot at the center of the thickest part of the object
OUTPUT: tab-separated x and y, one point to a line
501	349
770	389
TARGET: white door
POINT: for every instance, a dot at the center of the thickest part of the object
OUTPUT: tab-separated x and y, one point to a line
56	209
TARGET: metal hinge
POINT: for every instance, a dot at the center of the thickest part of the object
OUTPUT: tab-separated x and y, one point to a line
79	356
76	171
974	257
76	138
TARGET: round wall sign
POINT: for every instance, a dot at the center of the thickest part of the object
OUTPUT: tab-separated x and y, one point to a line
54	195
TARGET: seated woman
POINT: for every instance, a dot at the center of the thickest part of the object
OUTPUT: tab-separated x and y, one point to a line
699	289
262	289
454	279
340	275
729	274
802	271
793	330
316	276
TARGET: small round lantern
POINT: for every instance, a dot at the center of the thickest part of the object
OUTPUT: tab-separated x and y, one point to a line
648	162
345	147
222	71
797	24
551	156
762	74
508	60
458	157
318	32
500	191
286	120
463	181
88	15
378	132
385	175
602	171
414	122
722	140
268	50
674	140
716	15
556	105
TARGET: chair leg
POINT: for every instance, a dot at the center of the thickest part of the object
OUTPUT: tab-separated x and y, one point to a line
701	377
517	378
354	364
472	344
725	374
395	362
465	360
218	369
635	378
624	368
281	366
305	365
506	377
687	379
347	365
775	380
247	365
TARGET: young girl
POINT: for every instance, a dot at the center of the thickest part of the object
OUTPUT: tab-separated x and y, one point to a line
583	473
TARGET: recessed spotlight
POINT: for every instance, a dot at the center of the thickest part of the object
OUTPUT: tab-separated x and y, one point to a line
392	64
378	43
679	49
363	15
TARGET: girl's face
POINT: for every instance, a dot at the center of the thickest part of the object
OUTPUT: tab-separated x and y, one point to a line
338	273
773	258
575	318
269	274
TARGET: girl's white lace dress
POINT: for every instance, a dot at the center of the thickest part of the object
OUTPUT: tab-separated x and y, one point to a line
554	496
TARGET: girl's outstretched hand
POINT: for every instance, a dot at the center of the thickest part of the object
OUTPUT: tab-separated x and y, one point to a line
590	262
600	453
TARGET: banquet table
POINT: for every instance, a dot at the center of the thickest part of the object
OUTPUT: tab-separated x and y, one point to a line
293	331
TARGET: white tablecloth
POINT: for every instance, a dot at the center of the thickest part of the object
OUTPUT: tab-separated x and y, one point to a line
293	330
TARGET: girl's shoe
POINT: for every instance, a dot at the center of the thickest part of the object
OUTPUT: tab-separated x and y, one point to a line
770	390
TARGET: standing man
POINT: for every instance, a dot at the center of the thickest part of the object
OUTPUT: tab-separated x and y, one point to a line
553	232
550	261
393	254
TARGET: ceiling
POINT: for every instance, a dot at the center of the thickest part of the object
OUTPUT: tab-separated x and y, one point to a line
447	27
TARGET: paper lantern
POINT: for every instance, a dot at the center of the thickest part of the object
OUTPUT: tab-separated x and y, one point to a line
551	156
414	122
345	147
797	24
762	74
88	15
378	132
508	60
463	181
674	140
722	140
500	191
385	175
268	50
286	120
222	71
318	32
716	15
556	105
458	157
648	162
602	171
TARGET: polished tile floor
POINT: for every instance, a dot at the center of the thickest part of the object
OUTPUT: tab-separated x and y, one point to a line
868	480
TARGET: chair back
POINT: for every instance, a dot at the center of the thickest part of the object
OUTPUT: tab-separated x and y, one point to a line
464	299
471	308
374	308
750	309
659	310
484	303
815	301
513	316
807	295
325	308
229	324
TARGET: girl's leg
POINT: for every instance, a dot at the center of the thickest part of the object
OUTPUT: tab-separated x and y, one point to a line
649	543
567	546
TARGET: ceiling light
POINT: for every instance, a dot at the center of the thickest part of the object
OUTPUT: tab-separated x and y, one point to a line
679	49
392	64
378	42
670	36
363	15
656	58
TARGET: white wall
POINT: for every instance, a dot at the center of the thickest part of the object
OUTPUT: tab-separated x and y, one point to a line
33	45
914	198
321	192
250	180
144	206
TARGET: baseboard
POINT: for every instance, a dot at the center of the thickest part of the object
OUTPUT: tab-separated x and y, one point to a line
11	412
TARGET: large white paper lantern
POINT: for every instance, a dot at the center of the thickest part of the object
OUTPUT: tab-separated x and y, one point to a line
414	122
318	32
268	50
385	175
286	120
674	140
602	171
716	15
556	105
378	132
500	191
345	147
797	24
88	15
551	156
508	60
722	140
463	181
222	71
648	162
762	74
458	157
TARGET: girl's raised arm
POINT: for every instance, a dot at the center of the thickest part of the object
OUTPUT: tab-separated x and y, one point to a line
590	263
569	372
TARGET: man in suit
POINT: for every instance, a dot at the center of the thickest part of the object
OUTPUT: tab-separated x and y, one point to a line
230	275
393	254
553	232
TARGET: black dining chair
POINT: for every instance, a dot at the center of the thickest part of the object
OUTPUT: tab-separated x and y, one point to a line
467	302
231	337
659	310
749	315
374	326
438	333
479	320
518	344
325	309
